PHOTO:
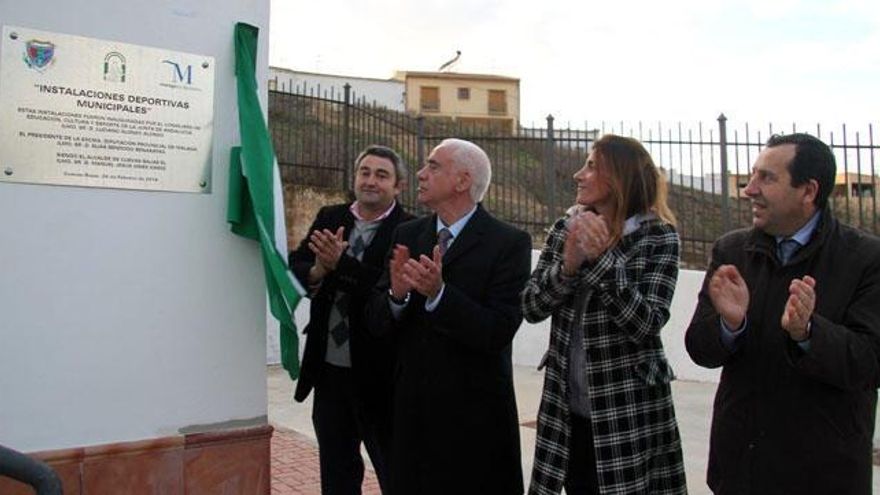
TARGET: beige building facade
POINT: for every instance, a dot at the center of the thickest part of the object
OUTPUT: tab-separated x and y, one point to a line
479	99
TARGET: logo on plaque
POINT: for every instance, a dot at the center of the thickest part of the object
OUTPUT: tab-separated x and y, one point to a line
114	67
38	54
180	74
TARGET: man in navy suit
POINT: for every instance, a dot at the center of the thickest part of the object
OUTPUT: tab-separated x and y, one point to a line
350	369
450	298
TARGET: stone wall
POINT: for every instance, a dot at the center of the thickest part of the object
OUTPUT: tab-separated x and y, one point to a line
301	204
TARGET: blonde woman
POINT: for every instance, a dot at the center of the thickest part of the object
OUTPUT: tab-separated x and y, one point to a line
606	276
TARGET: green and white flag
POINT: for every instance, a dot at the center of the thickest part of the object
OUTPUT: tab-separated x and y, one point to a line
256	201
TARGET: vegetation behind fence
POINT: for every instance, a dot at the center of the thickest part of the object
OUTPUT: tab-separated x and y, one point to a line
316	139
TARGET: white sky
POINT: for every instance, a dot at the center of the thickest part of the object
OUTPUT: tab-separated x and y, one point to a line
785	61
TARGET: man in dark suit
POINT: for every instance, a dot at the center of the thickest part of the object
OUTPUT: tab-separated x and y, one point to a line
350	369
450	297
789	308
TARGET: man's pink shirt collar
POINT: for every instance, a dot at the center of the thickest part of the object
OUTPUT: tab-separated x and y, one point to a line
354	211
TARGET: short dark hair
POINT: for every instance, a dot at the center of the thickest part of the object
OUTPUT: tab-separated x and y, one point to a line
813	159
388	154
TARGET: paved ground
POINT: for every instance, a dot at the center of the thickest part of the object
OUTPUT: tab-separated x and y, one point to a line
294	451
295	466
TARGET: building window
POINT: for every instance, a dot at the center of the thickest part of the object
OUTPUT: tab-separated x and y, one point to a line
464	93
429	99
497	102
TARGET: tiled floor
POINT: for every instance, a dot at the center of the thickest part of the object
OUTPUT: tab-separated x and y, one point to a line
295	466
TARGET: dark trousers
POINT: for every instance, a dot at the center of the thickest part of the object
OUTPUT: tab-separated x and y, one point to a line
581	478
341	425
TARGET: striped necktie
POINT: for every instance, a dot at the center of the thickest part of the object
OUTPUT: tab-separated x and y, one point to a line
443	238
786	249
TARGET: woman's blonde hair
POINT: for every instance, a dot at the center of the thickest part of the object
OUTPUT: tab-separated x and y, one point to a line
636	184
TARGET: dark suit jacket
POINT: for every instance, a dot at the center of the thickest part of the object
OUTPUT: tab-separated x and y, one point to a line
785	421
371	358
455	418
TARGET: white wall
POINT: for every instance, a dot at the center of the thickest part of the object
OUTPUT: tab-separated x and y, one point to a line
127	315
387	93
532	339
684	302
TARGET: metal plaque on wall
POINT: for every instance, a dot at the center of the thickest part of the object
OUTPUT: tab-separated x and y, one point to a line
86	112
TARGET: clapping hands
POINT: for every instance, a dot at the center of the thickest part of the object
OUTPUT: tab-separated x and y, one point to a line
424	275
588	237
328	247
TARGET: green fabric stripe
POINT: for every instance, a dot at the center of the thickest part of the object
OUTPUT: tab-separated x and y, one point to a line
251	202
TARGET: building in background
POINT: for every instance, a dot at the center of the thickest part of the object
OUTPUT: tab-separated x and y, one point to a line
484	100
481	99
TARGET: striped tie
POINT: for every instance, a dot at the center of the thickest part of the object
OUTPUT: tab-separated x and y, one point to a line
786	250
443	238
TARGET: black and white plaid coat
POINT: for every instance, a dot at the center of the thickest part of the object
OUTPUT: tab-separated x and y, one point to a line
628	292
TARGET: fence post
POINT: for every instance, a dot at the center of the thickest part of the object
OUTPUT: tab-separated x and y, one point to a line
420	156
550	172
346	139
725	189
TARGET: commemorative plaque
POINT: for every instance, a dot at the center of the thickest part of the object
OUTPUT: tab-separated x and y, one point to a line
86	112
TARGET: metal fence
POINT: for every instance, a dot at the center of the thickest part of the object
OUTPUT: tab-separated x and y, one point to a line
317	136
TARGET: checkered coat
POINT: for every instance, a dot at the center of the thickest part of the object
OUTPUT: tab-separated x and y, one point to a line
627	293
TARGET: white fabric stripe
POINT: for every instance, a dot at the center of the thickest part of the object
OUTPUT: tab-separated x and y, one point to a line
280	228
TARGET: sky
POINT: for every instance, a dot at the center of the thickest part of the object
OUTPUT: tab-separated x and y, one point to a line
786	61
